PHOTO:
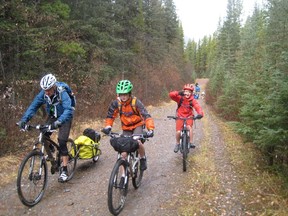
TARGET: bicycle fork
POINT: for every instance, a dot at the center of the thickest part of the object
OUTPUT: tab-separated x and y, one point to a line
32	175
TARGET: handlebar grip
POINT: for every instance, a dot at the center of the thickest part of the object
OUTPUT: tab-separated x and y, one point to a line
173	117
197	117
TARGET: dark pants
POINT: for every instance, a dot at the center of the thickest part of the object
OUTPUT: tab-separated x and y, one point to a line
63	135
137	130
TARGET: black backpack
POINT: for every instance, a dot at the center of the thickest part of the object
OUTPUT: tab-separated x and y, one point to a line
92	134
181	101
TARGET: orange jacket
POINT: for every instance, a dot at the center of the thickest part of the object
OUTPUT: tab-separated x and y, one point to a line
129	119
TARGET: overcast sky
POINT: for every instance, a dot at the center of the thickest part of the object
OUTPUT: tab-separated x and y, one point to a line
201	17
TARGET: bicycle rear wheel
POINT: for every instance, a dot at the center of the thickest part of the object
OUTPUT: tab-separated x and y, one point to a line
71	166
137	174
32	179
116	194
184	151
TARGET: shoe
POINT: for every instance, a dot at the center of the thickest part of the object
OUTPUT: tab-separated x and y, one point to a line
192	145
52	148
143	164
122	181
63	177
177	147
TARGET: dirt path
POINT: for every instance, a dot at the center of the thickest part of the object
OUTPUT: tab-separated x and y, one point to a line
163	182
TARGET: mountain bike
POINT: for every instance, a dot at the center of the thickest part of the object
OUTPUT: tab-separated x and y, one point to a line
123	169
32	176
184	138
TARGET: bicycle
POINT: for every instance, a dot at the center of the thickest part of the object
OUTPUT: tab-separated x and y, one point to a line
184	138
32	175
122	170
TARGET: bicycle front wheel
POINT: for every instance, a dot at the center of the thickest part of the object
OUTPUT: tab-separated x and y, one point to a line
137	174
117	191
32	178
184	151
72	162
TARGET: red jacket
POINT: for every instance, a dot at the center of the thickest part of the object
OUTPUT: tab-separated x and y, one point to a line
185	110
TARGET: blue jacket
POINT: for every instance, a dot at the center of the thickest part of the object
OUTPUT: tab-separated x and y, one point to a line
59	106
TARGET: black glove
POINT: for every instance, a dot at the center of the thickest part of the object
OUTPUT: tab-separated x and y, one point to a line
181	93
22	125
150	133
106	130
199	116
55	125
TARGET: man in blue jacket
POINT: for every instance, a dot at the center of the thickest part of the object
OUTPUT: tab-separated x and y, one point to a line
60	114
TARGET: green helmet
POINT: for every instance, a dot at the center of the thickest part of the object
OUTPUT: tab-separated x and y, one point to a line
124	87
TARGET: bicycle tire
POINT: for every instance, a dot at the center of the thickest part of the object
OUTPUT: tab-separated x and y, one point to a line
117	195
97	156
137	174
30	185
72	162
184	151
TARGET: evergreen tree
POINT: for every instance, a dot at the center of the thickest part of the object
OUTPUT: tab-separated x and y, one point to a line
227	49
171	21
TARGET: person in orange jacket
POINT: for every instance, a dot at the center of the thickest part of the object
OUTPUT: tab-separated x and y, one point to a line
186	106
133	117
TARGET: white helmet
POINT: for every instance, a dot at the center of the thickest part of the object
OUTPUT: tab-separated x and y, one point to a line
47	82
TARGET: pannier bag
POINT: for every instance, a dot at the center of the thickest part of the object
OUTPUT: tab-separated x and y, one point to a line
86	146
124	144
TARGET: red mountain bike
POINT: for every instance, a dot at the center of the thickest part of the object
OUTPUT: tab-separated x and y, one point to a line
184	138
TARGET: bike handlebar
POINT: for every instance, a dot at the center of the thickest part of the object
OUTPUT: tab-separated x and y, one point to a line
135	136
42	128
183	118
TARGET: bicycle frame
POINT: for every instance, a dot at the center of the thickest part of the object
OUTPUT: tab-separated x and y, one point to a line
32	175
45	141
124	167
184	134
184	139
132	159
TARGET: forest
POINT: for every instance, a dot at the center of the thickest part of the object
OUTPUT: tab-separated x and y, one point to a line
92	44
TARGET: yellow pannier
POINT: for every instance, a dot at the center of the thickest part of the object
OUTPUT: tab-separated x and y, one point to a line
87	147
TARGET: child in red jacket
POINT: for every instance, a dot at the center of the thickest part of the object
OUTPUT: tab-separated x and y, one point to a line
186	106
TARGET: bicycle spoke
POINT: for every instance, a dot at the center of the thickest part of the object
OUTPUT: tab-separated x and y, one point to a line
116	191
72	162
32	179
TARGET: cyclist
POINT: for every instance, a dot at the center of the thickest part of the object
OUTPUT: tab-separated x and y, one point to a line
186	106
133	117
60	115
197	91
